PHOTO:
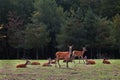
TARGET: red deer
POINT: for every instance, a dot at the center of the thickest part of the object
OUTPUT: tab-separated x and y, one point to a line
47	63
70	59
53	62
105	61
35	63
63	56
23	65
79	54
89	61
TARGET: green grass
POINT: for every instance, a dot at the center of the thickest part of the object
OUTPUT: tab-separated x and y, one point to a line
99	71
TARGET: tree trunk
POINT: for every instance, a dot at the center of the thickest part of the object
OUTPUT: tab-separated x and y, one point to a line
100	53
42	52
91	51
36	53
24	53
18	53
118	53
7	53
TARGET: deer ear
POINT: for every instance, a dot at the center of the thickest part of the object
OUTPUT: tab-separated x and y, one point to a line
84	48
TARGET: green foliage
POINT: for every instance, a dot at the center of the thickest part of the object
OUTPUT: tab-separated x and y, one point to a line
89	26
52	15
23	8
98	30
103	32
78	22
72	32
109	8
116	29
36	36
15	30
5	7
79	14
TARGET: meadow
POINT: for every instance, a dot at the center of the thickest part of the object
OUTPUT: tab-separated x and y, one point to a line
99	71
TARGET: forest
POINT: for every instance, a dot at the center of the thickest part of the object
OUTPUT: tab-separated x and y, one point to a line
37	29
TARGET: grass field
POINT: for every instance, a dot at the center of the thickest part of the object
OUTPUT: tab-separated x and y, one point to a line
99	71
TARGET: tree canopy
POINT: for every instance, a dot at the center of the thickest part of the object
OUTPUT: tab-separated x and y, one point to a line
46	26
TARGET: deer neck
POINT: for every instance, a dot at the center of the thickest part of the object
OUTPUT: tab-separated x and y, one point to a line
83	52
49	61
70	51
26	62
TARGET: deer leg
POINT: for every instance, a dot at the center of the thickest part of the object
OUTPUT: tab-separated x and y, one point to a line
59	64
79	59
67	64
74	60
55	62
83	59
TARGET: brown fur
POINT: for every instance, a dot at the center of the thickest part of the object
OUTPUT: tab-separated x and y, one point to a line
69	59
47	63
79	54
105	61
63	56
22	65
90	61
35	63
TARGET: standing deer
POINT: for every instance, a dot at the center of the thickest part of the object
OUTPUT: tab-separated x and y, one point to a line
63	56
79	54
70	60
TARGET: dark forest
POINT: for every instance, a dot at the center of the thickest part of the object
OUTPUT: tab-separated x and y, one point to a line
37	29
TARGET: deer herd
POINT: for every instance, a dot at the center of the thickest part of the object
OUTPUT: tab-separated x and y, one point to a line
66	56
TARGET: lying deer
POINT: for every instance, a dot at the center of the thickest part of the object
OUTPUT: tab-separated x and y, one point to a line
23	65
47	63
89	61
35	63
105	61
